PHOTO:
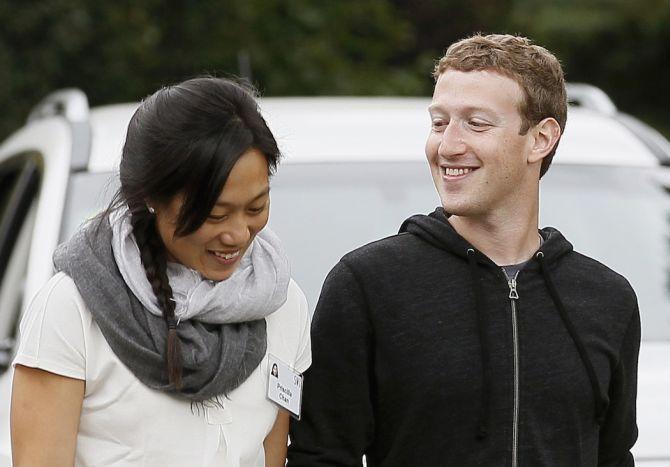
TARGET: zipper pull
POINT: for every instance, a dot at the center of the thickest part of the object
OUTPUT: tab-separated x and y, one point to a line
513	294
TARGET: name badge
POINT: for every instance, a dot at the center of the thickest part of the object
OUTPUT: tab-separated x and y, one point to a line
284	386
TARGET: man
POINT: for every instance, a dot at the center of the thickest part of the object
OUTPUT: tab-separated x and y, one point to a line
472	338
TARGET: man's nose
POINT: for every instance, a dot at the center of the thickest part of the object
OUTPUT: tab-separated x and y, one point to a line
451	142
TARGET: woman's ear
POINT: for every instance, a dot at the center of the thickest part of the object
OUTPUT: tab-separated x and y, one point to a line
545	137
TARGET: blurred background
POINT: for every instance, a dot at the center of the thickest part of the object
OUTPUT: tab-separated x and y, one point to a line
123	50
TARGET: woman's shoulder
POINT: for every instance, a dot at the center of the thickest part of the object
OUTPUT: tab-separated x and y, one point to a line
288	329
293	312
52	332
58	299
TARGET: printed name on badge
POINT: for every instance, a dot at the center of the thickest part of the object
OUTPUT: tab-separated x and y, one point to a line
284	386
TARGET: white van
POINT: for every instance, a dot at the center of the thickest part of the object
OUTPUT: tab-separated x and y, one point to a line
354	169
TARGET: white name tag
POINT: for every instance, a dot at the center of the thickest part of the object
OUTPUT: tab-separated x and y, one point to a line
284	386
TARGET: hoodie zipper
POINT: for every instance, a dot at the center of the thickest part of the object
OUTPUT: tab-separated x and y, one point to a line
513	297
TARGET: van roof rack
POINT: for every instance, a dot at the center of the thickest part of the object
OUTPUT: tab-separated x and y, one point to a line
590	97
70	103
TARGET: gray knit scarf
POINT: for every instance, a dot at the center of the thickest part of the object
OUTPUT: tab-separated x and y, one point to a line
216	358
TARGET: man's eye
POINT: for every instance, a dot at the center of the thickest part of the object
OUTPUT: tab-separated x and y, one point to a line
478	124
439	125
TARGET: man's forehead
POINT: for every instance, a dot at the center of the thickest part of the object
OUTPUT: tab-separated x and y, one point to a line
475	89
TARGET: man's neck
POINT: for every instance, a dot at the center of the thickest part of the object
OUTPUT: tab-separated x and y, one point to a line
510	238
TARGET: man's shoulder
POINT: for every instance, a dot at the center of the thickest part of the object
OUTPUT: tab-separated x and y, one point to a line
390	250
594	275
383	245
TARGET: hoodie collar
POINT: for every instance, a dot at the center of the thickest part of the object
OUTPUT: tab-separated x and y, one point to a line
435	229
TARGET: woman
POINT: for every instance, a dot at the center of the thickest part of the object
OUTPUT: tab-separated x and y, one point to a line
150	345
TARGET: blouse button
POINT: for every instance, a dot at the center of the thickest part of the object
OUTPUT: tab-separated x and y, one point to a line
218	416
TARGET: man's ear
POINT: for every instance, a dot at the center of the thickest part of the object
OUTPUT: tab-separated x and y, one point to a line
545	136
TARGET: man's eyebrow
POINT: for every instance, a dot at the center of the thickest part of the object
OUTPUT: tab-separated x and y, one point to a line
265	192
469	108
433	107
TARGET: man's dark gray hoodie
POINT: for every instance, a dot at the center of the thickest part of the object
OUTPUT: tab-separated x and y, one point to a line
425	354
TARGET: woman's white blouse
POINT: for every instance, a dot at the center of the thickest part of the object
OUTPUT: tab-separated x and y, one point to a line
124	423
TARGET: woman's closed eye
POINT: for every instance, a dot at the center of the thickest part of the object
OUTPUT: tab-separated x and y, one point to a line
257	209
217	217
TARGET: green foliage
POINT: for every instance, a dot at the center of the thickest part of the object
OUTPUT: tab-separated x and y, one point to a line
123	50
120	51
619	45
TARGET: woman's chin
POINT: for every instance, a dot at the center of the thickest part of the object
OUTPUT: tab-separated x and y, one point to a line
217	276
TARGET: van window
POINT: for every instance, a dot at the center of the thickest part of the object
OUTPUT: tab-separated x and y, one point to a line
20	178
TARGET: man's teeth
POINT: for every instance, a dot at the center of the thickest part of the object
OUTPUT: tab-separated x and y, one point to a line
454	172
226	255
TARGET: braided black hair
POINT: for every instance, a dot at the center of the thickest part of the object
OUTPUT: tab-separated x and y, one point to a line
154	260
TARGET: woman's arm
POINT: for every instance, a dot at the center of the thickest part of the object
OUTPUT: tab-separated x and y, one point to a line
276	441
44	417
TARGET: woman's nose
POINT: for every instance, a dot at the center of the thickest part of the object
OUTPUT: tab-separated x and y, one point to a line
235	233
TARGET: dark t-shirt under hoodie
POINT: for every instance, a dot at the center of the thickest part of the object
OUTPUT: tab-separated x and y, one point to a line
425	354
